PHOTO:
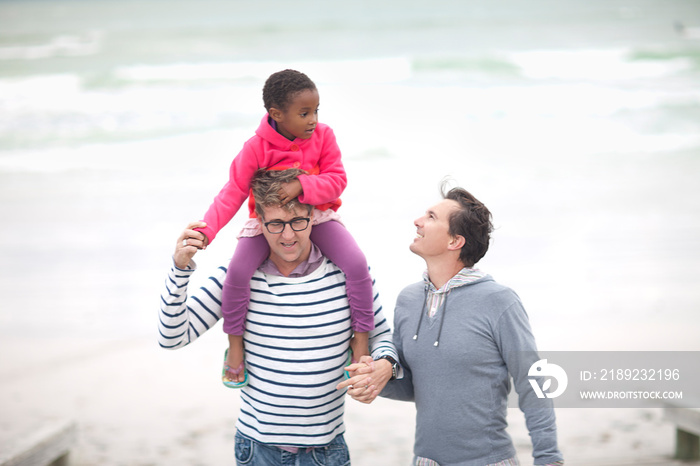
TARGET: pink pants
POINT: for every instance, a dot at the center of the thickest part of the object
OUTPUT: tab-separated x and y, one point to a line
334	241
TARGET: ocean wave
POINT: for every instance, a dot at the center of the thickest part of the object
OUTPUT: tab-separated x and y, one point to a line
609	65
40	111
152	101
372	71
598	65
692	55
496	64
64	45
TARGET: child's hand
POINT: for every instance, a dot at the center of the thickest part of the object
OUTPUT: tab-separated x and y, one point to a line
290	191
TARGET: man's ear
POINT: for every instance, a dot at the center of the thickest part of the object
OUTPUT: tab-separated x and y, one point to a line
275	114
456	243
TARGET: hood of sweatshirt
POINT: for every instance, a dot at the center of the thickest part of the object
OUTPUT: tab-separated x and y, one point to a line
436	299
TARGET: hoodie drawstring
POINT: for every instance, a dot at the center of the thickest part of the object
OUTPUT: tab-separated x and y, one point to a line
420	319
442	319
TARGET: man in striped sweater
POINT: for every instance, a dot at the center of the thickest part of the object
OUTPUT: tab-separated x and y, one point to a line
297	336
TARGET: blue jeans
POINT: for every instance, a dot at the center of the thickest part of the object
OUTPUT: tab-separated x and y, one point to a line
252	453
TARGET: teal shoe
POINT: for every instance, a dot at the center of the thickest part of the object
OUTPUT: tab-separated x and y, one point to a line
228	382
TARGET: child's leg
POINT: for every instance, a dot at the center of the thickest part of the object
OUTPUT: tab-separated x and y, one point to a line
359	345
234	358
339	246
249	254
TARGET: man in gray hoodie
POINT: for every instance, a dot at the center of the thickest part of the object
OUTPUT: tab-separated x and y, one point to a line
460	337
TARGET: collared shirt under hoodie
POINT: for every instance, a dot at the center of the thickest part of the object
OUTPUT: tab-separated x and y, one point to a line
436	297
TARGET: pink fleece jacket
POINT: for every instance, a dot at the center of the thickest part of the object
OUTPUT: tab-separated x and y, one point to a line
319	156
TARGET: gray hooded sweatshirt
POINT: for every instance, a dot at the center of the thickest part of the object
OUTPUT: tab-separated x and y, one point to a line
458	371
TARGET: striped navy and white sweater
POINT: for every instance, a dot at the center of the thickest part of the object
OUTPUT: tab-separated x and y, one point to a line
296	341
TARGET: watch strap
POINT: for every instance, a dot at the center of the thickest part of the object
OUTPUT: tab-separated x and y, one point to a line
394	366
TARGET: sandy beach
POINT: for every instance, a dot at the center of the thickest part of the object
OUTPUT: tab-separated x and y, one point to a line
135	404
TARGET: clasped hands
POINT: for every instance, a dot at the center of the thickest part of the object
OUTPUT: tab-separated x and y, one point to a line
368	378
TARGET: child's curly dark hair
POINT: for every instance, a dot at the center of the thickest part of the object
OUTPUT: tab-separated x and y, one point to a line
281	87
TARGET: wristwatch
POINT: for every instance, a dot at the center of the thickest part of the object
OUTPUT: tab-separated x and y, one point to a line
394	366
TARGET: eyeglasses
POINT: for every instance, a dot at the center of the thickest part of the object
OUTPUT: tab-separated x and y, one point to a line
298	224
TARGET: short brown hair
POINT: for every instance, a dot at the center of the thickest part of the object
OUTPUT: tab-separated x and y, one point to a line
266	185
472	221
